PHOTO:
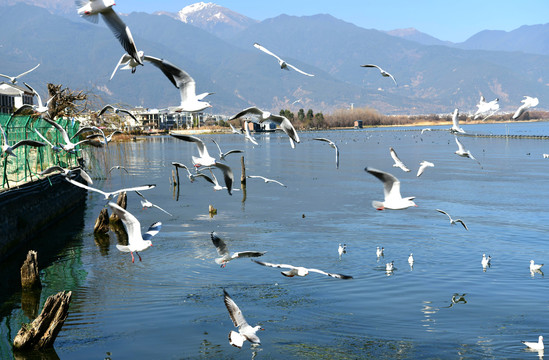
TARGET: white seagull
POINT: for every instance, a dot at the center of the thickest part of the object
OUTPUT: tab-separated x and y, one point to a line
68	172
283	64
190	102
54	148
234	131
40	108
281	121
90	10
486	107
334	146
223	154
398	163
116	111
136	241
247	133
190	175
213	179
110	195
118	167
411	259
105	139
527	103
535	345
300	271
461	151
265	179
342	249
379	251
245	331
485	262
383	72
391	189
147	204
455	123
127	62
390	266
422	166
6	148
223	251
534	266
452	221
68	146
13	79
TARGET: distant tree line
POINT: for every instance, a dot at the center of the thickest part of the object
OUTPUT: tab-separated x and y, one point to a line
305	120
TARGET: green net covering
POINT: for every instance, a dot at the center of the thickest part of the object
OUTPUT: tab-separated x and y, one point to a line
30	161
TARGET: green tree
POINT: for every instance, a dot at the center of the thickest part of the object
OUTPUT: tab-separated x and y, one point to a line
301	115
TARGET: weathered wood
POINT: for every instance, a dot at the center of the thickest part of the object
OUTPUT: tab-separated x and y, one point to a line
243	174
212	211
122	201
102	223
41	333
30	278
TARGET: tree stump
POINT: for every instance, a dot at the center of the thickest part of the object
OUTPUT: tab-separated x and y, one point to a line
102	223
41	333
30	279
243	174
122	201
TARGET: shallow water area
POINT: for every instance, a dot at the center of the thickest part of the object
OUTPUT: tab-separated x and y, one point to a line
170	305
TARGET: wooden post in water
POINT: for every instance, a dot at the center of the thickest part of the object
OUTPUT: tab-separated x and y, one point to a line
122	201
102	222
30	279
243	175
41	333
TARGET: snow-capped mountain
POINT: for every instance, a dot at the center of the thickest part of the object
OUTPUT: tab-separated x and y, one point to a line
213	18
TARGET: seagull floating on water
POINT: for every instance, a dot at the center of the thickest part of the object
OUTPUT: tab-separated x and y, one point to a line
391	189
223	251
300	271
13	79
534	266
411	259
334	146
136	241
398	163
147	204
245	331
452	221
383	72
422	166
379	251
342	249
283	64
390	266
535	345
485	262
527	103
109	195
265	179
7	149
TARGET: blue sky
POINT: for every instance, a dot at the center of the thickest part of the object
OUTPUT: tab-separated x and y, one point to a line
454	20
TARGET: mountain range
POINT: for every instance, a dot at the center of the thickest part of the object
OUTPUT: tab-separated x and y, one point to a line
214	45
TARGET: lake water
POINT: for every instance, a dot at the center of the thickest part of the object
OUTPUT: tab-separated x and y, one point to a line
170	305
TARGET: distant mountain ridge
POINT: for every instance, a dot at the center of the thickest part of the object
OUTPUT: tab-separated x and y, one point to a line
417	36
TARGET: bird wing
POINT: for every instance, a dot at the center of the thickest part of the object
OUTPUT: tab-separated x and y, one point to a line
138	193
35	93
52	169
202	150
60	128
286	126
152	231
257	46
165	66
4	136
462	223
228	176
219	244
371	66
159	208
215	142
243	254
234	311
455	121
131	224
299	71
280	266
445	213
398	162
28	143
392	77
8	77
28	71
248	111
76	183
337	276
135	188
234	129
86	177
460	145
233	152
206	177
181	80
127	112
391	185
248	135
122	32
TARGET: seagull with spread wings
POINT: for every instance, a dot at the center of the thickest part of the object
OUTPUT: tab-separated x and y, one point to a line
223	154
391	189
147	204
527	103
109	195
13	79
300	270
383	72
245	331
265	179
283	64
334	146
68	172
452	221
398	163
8	149
223	251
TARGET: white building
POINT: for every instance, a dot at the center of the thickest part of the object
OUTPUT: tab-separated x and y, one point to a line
13	97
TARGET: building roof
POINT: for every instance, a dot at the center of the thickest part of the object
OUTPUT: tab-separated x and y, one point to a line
7	88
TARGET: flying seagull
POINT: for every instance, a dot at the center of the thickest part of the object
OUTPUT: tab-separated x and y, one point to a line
117	111
455	123
527	103
118	167
147	204
87	129
283	64
422	166
334	146
535	345
68	172
300	271
190	102
6	148
391	189
13	79
383	72
54	148
190	175
223	154
136	241
223	251
90	10
106	139
247	133
127	62
452	221
265	179
398	163
212	180
109	195
485	107
204	159
234	131
40	108
245	331
461	151
68	146
281	121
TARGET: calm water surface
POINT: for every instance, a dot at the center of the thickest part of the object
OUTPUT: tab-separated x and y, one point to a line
170	305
